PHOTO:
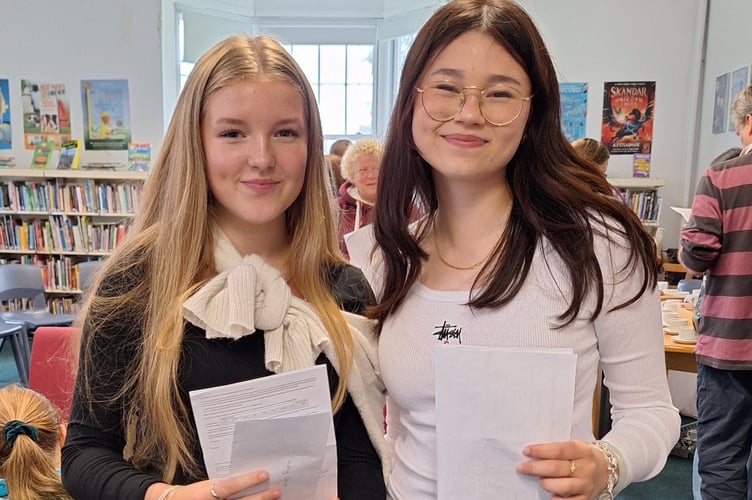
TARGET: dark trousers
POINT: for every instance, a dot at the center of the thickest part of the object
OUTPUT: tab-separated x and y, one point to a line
724	431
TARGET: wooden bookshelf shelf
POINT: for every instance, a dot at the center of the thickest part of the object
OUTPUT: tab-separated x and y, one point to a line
58	218
641	195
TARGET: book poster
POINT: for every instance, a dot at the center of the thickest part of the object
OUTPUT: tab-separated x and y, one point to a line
640	165
46	113
628	109
70	152
738	83
107	122
139	156
720	103
5	138
43	153
573	109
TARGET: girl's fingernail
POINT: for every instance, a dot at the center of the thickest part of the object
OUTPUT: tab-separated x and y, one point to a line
263	476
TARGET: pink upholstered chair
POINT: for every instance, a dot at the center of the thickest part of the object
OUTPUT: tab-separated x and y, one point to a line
53	366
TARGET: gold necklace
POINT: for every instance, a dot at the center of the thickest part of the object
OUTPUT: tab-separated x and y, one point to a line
458	268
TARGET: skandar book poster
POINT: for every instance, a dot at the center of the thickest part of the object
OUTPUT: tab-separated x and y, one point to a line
5	138
573	109
628	110
46	113
70	152
106	109
42	156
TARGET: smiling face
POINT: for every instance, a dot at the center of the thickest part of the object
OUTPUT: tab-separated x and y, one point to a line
467	146
255	141
365	177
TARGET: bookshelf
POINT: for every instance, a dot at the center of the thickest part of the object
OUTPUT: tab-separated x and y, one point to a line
58	218
641	195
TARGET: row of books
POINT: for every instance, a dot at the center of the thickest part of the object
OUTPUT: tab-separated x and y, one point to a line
61	275
63	305
55	195
60	233
646	204
56	305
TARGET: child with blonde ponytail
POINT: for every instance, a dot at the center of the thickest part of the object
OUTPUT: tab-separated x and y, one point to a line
29	446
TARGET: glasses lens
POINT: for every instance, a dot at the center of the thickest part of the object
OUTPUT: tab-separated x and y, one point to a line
442	100
501	105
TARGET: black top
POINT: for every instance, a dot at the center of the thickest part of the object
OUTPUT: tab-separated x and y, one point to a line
93	467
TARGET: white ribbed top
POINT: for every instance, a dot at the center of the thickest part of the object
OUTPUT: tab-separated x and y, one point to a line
628	343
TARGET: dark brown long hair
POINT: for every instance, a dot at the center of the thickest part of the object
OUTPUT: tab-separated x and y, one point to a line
556	194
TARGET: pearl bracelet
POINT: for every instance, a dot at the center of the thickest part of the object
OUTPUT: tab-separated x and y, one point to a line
168	492
612	463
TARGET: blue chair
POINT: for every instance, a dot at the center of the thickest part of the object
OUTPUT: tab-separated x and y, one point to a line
22	283
687	285
87	271
14	333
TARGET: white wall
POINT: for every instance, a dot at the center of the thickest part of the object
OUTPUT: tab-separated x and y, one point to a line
644	40
727	50
50	41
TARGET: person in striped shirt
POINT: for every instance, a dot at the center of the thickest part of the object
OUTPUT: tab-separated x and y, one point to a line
717	240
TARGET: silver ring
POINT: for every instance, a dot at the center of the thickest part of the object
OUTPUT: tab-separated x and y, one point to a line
213	493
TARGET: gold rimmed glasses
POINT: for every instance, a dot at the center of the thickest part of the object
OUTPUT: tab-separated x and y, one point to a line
499	104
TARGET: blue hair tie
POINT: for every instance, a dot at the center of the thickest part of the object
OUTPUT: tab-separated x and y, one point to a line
12	429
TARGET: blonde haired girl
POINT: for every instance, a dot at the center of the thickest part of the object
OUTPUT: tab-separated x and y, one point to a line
239	194
30	446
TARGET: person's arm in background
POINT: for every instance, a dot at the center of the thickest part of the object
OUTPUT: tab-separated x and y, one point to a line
701	237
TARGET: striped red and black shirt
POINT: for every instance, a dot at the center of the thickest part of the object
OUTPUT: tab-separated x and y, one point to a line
718	240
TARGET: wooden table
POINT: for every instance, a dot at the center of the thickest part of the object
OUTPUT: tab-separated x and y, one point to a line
679	357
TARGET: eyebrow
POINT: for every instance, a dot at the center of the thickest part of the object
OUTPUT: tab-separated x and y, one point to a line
284	122
492	79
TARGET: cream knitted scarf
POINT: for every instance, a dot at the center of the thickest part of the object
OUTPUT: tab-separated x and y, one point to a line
249	295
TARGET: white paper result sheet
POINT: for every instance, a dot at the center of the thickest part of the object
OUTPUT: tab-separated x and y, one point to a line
490	403
280	423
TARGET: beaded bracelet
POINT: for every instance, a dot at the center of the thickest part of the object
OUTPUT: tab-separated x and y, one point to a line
168	492
612	463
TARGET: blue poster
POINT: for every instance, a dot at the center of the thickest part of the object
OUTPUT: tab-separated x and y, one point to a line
720	103
5	139
573	109
738	83
107	122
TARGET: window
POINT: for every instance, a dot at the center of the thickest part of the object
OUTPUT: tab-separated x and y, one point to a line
341	75
342	79
185	66
352	52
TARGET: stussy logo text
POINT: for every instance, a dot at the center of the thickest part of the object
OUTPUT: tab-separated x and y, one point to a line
446	332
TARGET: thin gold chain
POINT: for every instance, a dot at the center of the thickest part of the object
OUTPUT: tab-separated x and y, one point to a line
458	268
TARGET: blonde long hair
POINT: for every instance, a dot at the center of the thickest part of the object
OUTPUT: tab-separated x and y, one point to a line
28	466
173	242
